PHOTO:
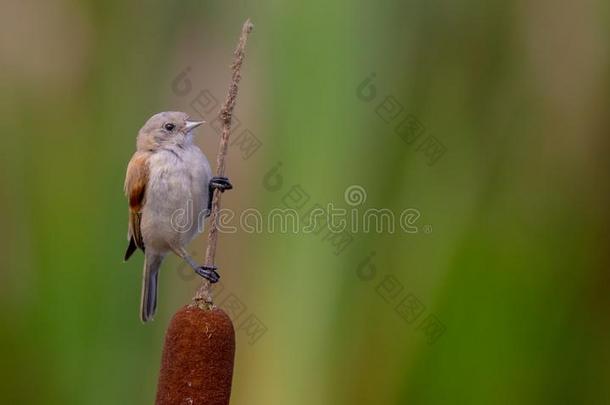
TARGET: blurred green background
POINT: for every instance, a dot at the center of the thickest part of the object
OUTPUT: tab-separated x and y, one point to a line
502	294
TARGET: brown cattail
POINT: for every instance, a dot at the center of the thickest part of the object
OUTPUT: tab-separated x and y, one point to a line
199	350
197	361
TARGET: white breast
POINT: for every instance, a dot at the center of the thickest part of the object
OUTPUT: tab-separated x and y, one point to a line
176	197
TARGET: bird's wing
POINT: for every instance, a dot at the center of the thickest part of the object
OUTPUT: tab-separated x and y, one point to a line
136	181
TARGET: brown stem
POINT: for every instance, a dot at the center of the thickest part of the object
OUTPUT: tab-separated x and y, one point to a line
203	296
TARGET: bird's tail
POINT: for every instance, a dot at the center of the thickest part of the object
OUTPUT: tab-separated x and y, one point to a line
148	303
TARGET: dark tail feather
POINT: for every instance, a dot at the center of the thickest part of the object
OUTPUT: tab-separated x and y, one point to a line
130	249
148	304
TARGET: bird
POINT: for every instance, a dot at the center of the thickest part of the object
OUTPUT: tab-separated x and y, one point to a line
169	188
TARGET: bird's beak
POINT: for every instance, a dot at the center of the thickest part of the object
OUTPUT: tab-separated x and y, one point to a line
190	125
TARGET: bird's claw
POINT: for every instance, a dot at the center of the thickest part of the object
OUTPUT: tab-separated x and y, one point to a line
209	273
217	183
220	183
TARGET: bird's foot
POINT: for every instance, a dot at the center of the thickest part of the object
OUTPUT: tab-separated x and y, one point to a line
217	183
209	273
220	183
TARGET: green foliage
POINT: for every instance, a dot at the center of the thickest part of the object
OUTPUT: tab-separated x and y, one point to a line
510	253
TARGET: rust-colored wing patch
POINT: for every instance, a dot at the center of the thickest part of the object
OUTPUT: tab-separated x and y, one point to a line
136	181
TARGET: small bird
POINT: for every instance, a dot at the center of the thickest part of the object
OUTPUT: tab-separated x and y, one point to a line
168	177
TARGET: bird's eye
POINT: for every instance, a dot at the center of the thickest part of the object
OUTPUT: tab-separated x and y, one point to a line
169	126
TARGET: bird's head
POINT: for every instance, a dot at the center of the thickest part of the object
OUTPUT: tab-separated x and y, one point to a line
166	129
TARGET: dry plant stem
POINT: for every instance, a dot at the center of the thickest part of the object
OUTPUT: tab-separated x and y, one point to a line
203	296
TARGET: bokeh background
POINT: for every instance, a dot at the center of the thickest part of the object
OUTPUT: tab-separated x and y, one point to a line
501	295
